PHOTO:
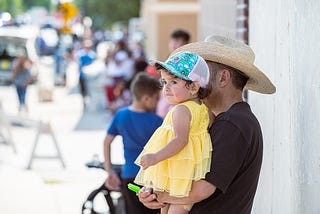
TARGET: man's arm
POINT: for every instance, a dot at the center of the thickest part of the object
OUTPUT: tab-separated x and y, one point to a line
200	190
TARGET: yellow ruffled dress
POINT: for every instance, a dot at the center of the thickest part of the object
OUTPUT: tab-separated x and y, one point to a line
175	175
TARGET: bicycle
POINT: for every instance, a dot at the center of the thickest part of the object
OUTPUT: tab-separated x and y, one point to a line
113	205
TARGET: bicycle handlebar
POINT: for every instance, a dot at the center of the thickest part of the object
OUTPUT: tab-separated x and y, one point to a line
99	165
95	164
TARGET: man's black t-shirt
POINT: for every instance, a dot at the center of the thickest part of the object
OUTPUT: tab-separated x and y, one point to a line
236	161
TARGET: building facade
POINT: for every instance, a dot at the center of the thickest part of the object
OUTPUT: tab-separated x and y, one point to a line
161	17
284	36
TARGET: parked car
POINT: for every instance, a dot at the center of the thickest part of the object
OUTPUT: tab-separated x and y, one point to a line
13	42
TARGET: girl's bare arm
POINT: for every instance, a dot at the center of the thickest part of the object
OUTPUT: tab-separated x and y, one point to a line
181	118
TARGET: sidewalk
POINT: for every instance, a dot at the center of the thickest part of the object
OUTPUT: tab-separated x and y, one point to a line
47	187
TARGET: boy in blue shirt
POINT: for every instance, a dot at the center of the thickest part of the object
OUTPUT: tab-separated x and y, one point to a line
135	123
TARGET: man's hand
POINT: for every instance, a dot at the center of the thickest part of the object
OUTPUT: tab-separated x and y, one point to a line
163	197
148	160
149	199
113	181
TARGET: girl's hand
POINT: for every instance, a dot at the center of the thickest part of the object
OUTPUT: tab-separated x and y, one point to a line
148	160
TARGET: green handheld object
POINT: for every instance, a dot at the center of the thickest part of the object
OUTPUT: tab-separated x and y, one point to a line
133	188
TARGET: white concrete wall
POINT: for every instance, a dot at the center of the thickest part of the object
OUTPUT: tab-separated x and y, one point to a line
217	17
285	37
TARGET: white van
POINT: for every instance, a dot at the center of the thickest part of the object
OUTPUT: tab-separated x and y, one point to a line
13	42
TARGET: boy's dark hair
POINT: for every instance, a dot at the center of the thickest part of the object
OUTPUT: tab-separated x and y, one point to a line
179	33
144	84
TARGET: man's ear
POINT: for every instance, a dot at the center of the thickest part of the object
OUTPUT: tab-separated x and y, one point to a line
224	77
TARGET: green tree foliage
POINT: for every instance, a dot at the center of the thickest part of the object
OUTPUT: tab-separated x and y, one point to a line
32	3
14	7
106	12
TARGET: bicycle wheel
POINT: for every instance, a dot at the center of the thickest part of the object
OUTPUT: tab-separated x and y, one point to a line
99	201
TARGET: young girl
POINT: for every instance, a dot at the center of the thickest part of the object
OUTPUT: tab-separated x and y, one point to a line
21	78
179	151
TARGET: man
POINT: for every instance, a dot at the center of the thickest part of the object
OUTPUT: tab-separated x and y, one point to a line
236	135
85	57
178	38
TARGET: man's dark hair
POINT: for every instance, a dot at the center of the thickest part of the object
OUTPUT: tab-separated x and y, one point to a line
180	33
239	79
144	84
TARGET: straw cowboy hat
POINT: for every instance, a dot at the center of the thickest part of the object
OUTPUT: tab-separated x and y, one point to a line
235	54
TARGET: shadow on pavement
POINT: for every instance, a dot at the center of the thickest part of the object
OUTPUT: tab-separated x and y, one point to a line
95	120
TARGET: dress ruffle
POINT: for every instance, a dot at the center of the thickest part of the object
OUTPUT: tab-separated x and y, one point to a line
176	174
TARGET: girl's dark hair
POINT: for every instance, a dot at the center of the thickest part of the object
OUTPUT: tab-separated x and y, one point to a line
203	92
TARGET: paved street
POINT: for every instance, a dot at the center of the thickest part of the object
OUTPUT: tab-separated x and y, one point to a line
47	187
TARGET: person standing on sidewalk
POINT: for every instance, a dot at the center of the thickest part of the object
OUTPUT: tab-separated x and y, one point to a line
85	57
236	135
135	123
21	78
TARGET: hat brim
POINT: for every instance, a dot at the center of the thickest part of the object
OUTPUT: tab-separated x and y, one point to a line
217	52
169	68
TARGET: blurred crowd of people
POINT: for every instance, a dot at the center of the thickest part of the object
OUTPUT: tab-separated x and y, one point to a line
114	63
118	63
